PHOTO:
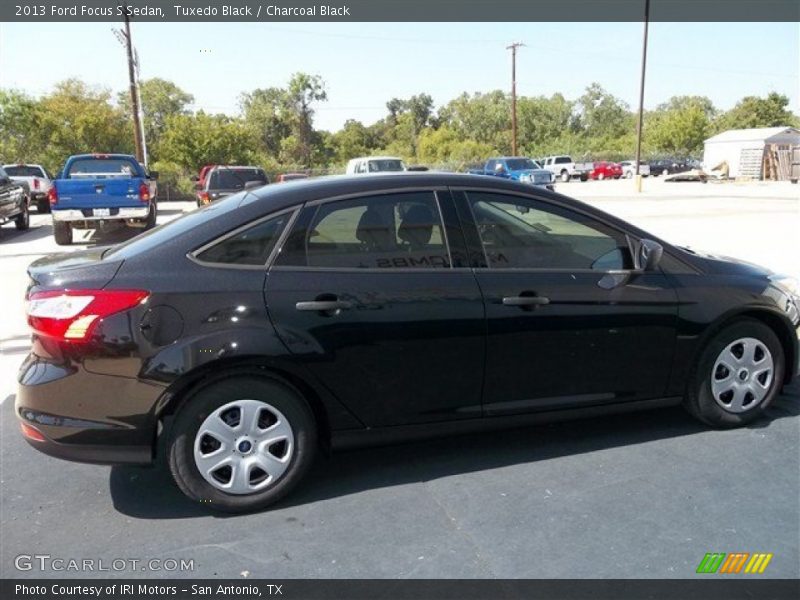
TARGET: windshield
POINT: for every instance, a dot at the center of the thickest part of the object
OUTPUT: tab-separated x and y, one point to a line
168	231
234	179
521	164
388	164
24	171
101	167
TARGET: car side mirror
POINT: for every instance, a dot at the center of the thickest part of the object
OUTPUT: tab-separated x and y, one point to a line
153	174
649	255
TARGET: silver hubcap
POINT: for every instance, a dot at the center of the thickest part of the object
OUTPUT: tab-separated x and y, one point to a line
244	446
742	375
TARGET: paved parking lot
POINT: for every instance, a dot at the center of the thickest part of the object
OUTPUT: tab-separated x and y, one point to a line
643	495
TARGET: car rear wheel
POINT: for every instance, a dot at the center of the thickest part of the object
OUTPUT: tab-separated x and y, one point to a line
23	220
150	221
738	375
565	176
63	233
240	444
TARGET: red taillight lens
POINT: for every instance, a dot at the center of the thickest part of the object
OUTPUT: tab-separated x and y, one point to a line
35	183
31	433
203	197
71	315
144	192
52	195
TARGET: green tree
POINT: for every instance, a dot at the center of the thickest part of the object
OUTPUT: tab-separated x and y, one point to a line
302	92
602	115
76	118
350	141
753	111
192	141
19	127
161	99
679	126
266	114
484	118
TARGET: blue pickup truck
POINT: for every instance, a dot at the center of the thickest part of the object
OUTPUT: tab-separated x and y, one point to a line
517	168
95	189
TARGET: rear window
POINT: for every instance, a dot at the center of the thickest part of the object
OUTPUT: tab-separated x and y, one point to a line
235	179
376	166
24	171
101	167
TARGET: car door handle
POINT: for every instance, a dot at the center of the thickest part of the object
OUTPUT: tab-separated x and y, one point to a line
324	306
525	301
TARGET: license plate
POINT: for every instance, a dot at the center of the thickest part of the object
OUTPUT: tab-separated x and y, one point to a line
102	212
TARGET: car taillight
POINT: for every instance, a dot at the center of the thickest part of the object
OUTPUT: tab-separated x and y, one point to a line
71	315
203	197
35	183
52	195
144	192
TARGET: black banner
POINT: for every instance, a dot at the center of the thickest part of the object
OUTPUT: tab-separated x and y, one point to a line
399	10
711	588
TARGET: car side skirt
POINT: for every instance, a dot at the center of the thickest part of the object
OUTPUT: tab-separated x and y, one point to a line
356	438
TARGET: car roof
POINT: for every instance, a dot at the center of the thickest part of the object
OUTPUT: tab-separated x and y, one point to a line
103	155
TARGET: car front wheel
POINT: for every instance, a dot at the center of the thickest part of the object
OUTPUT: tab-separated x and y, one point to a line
242	443
738	375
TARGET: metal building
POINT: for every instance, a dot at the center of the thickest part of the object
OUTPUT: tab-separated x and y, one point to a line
756	153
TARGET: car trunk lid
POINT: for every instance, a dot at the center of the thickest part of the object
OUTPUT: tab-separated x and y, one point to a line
85	268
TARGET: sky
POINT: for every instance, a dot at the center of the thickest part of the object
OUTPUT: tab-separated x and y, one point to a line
366	64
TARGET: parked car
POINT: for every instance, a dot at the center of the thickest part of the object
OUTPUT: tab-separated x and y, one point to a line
353	310
563	167
223	181
629	168
606	170
668	166
13	202
375	164
516	168
283	177
96	189
37	180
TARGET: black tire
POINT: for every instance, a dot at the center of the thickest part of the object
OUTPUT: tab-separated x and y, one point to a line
150	222
565	176
584	177
63	233
699	399
23	220
43	206
212	396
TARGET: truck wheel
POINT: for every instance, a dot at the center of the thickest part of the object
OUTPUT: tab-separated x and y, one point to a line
150	222
584	177
23	220
565	176
63	233
43	206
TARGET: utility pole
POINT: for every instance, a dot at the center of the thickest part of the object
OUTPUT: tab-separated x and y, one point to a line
513	47
137	123
641	98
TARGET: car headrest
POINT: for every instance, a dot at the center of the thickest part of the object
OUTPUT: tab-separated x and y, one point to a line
416	227
374	231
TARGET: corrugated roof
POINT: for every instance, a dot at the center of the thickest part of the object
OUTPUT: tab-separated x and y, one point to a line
750	135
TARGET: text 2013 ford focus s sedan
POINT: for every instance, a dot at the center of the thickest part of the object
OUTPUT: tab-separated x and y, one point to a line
251	333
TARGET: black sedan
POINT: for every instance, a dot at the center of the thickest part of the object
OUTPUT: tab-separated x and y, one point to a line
669	166
253	333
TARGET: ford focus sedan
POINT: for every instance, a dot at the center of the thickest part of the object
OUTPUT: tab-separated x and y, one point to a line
248	336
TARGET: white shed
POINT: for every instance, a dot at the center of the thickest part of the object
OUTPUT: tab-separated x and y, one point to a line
743	149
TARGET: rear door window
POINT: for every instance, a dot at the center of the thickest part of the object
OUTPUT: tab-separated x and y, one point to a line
388	231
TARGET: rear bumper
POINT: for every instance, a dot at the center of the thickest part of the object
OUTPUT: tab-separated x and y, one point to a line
85	416
86	214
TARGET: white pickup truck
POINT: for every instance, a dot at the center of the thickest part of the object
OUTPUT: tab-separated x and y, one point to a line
37	181
564	168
